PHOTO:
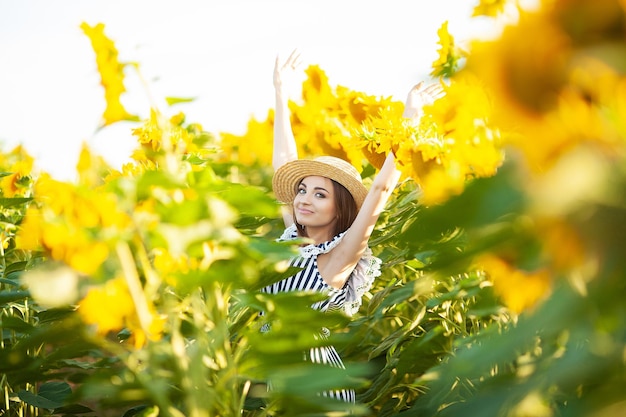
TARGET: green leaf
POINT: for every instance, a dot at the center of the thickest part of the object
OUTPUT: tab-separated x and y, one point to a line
51	395
14	201
72	409
484	202
177	100
9	282
12	296
56	391
55	314
15	323
15	267
150	180
423	352
72	363
138	410
250	201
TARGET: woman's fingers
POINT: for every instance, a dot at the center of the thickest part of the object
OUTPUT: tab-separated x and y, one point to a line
419	96
285	74
427	93
434	90
293	61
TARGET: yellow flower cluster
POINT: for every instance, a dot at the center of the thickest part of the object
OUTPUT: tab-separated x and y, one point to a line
520	290
490	8
449	55
558	85
454	142
169	265
15	183
165	145
555	78
324	124
111	73
160	136
71	223
254	146
18	164
562	254
95	309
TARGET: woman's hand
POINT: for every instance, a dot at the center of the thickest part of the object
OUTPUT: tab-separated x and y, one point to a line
419	96
284	72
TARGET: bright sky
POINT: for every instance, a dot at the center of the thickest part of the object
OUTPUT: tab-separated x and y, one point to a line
221	52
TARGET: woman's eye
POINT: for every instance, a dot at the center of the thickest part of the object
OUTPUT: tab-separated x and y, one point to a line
301	191
320	195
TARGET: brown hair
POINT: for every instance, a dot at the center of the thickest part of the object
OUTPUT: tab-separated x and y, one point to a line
344	205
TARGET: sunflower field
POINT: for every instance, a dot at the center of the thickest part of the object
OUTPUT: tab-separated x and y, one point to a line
135	292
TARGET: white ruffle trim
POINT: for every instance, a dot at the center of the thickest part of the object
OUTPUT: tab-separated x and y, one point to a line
313	250
362	277
361	280
290	233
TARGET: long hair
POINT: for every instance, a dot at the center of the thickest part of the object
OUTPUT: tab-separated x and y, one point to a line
344	205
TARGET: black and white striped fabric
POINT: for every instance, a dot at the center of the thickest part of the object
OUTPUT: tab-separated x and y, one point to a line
347	298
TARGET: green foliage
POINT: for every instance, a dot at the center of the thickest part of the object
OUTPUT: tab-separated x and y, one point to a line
432	339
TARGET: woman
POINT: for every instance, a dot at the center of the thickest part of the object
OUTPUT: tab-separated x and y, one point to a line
326	202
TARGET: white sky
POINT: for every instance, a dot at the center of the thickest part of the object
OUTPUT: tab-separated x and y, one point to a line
221	52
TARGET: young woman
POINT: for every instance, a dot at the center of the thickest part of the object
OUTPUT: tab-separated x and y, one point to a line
326	202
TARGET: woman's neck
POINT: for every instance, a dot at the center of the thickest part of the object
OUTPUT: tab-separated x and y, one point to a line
319	235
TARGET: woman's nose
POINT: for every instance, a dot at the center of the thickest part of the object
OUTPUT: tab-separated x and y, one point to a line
303	198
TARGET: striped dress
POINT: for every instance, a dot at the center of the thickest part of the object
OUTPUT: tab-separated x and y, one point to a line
347	298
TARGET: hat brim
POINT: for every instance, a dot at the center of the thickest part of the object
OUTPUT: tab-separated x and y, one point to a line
288	176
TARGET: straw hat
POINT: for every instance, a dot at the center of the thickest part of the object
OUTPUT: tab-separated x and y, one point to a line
289	175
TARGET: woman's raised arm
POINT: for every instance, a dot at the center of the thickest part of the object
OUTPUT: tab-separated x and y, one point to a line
285	149
337	268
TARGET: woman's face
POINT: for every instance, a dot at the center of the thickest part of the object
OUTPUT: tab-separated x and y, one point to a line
314	204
